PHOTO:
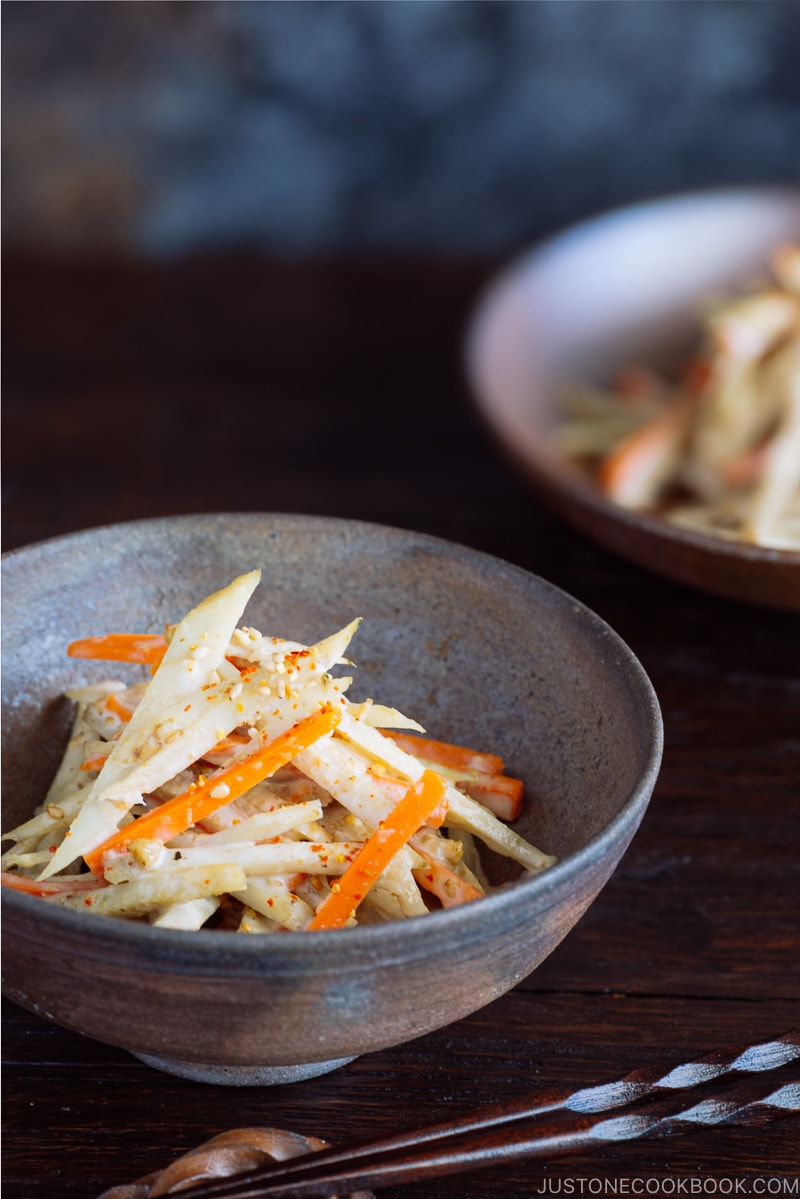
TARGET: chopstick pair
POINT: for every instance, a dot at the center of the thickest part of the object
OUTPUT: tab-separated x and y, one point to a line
649	1103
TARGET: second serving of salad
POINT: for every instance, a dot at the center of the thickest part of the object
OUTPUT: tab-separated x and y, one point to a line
239	788
718	448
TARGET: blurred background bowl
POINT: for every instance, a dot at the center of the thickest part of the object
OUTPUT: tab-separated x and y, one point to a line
623	288
478	650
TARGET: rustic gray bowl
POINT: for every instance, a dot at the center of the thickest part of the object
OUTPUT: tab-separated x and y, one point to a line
626	287
477	649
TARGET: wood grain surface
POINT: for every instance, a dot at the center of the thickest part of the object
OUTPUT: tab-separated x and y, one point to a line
344	381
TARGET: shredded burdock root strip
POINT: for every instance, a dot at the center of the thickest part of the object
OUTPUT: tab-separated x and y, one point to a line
237	787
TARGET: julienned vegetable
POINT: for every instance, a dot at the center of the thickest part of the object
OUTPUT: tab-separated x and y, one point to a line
718	450
237	787
207	795
409	814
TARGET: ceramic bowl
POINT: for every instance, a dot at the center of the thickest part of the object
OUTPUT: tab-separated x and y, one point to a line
478	650
625	288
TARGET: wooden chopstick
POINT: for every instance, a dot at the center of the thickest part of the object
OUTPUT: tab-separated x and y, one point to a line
651	1103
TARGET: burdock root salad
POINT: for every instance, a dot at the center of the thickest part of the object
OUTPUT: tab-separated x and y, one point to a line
717	449
237	787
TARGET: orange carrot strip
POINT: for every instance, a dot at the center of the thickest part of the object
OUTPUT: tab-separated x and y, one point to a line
420	800
51	886
634	473
448	887
121	710
200	801
121	647
458	757
394	788
500	793
481	773
95	762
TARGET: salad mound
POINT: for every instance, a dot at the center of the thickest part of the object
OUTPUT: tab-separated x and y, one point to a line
716	450
238	787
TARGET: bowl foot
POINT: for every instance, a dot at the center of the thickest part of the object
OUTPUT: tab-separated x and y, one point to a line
241	1076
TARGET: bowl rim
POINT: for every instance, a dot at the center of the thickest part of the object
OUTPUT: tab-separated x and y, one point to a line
212	949
542	463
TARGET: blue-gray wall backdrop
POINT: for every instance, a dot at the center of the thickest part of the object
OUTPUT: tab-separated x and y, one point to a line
327	126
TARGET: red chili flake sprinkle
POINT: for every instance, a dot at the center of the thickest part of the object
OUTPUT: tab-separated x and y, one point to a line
52	849
88	901
270	902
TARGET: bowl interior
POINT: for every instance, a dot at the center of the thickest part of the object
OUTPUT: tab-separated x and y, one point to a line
477	650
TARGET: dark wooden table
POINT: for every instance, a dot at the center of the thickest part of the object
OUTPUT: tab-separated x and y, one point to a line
346	380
